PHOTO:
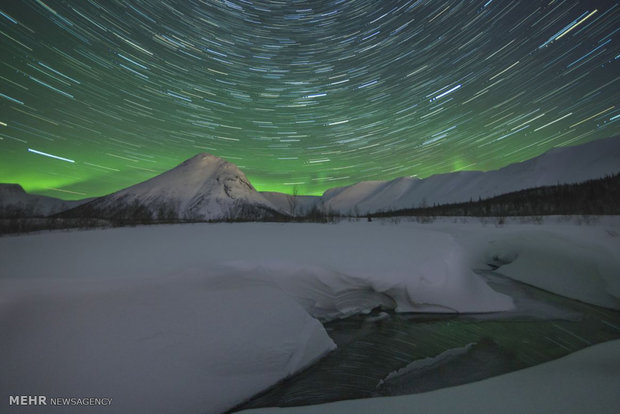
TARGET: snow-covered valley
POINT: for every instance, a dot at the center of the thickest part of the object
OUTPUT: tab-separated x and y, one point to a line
201	317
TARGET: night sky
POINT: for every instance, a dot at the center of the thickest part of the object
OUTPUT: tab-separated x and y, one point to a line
312	94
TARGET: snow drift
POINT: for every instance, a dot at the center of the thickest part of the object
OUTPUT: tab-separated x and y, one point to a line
414	268
189	343
340	275
197	318
203	316
576	267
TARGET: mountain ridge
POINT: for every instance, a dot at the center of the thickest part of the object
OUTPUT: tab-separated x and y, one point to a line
206	187
564	165
16	202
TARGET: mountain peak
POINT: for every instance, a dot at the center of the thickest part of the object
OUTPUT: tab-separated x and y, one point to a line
203	187
202	159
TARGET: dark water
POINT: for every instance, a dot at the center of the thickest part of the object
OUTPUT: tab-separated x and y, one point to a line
443	350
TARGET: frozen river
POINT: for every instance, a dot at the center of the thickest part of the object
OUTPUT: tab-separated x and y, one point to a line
216	314
385	354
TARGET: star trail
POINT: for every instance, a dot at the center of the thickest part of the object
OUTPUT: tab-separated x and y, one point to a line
97	95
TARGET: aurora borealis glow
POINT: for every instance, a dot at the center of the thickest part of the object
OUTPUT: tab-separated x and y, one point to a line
313	94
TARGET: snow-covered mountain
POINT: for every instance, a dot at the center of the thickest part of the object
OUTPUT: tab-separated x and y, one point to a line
206	187
15	202
563	165
203	187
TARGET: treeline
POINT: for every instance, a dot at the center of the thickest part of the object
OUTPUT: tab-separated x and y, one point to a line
29	224
13	212
123	214
593	197
135	214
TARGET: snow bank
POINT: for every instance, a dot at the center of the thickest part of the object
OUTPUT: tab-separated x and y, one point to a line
572	264
188	343
364	264
325	294
338	270
196	318
563	255
416	280
584	382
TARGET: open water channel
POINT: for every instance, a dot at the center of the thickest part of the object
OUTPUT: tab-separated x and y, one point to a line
385	353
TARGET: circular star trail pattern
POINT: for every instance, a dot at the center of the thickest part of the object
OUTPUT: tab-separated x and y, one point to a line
98	95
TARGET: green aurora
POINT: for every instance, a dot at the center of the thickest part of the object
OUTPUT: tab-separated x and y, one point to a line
307	95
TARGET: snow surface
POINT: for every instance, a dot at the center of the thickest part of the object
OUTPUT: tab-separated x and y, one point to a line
187	343
577	261
573	267
586	381
199	317
414	268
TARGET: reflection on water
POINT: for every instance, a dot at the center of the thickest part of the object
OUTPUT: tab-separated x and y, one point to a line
385	354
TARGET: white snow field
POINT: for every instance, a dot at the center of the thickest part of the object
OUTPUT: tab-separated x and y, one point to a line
189	343
586	381
199	317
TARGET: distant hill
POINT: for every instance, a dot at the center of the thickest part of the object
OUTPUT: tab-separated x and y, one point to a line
15	202
206	187
563	165
592	197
